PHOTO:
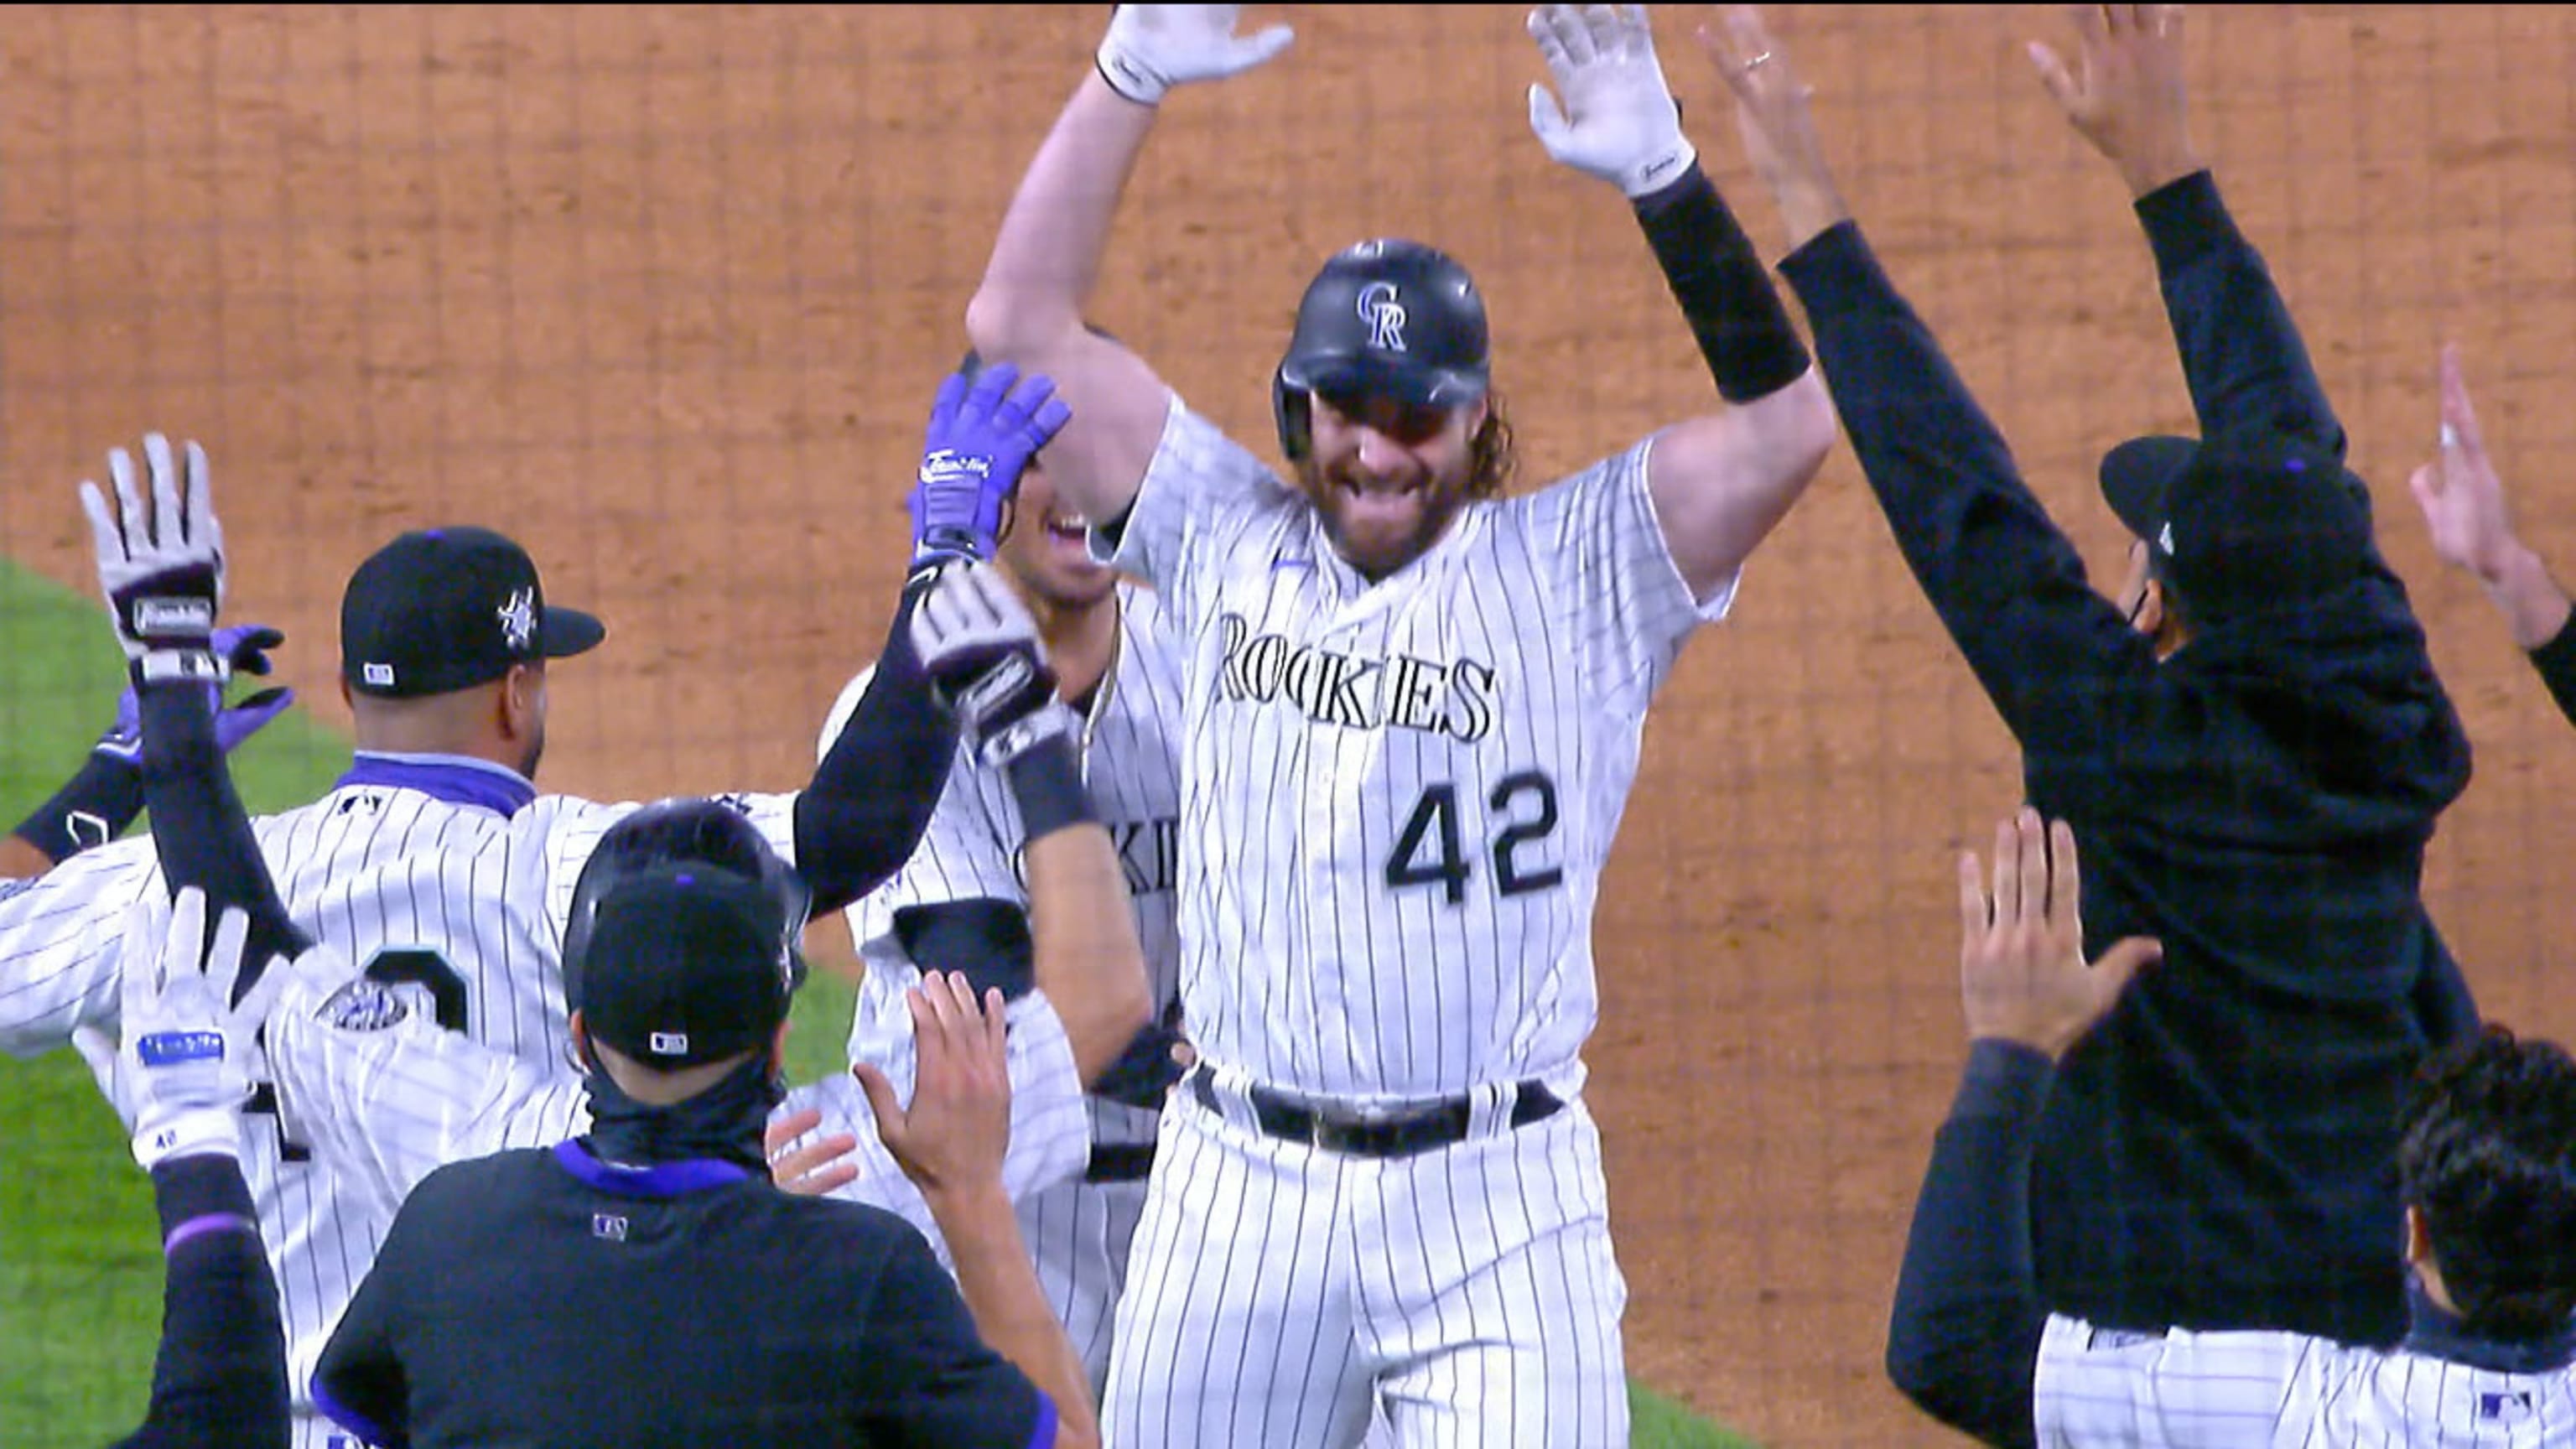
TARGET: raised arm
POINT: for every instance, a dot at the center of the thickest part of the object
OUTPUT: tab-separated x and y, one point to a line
1723	480
1046	259
1964	1333
2472	526
2241	354
2052	654
977	640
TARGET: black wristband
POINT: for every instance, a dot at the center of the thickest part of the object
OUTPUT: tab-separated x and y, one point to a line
1726	294
1046	778
93	807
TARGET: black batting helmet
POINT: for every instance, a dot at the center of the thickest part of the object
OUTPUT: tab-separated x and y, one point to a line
682	944
1387	317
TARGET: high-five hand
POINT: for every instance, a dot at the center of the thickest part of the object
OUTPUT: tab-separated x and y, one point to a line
186	1057
2472	525
1151	48
981	436
161	561
2022	975
984	657
1771	112
2124	92
1618	120
952	1136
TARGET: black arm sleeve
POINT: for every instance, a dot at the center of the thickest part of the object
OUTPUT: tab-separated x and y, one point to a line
1963	1338
219	1381
2241	354
2556	661
859	818
2056	658
199	827
94	807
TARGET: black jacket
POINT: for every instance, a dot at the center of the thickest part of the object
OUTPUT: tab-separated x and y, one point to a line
2216	1153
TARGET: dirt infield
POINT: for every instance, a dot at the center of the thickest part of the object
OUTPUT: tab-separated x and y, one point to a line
664	290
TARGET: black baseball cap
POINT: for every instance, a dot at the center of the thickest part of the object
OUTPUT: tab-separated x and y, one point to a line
2242	523
686	963
443	609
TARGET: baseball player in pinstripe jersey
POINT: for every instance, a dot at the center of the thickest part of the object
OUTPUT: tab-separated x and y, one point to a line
1412	710
2486	1163
436	867
959	902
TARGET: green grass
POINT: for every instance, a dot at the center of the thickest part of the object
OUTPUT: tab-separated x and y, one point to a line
80	1266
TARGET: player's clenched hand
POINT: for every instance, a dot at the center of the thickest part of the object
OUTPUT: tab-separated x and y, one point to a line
1617	120
1775	121
984	657
1151	48
2022	975
951	1138
981	437
818	1168
2124	91
187	1058
161	561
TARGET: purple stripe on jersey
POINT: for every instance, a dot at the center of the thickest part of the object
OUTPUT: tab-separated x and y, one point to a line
456	779
1044	1438
199	1227
344	1416
662	1179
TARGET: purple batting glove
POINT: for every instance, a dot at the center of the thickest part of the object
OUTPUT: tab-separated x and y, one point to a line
981	436
243	648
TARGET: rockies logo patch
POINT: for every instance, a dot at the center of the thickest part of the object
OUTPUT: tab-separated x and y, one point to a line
364	1005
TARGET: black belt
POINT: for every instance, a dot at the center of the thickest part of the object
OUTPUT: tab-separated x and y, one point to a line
1120	1162
1420	1129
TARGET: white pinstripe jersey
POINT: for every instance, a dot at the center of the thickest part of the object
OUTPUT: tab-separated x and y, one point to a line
2280	1390
974	845
1397	798
386	876
384	1104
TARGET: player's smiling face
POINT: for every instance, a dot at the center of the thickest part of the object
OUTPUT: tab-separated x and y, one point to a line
1045	548
1387	476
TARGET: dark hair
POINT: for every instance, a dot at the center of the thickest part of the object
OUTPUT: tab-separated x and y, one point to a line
2488	1156
1491	459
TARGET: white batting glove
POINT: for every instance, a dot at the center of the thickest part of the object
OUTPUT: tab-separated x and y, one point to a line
161	561
1151	48
186	1060
1619	121
983	654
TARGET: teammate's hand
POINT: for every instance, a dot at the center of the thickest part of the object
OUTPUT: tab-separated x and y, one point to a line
161	561
186	1057
1777	125
980	438
1618	120
2462	499
238	649
817	1169
1151	48
2124	92
983	655
951	1139
2022	975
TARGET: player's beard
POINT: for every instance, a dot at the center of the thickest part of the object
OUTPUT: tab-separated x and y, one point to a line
1377	531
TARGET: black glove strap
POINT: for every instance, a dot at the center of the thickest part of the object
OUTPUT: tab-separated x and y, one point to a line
93	808
1046	778
1735	313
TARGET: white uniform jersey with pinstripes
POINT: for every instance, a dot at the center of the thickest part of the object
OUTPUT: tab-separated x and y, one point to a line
2284	1391
383	1096
1398	798
1078	1231
393	878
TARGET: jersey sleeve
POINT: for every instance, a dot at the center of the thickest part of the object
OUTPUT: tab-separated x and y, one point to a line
1202	495
1050	1125
1615	577
2099	1386
383	1096
61	936
943	1385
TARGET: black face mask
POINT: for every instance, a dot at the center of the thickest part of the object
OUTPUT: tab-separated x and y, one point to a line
724	1123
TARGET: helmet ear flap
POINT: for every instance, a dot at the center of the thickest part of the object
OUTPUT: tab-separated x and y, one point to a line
1292	409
